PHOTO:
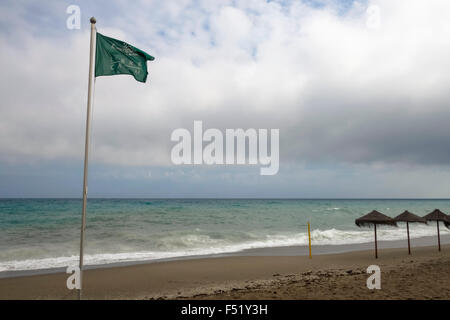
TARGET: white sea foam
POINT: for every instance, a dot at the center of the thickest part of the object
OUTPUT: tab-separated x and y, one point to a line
195	244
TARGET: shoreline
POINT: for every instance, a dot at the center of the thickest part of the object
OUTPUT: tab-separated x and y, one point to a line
427	241
422	275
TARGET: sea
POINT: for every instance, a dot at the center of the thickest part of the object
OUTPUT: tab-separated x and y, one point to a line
45	233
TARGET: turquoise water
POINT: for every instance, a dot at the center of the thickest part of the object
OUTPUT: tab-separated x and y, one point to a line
44	233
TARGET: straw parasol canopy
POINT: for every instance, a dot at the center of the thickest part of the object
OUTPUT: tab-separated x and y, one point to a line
447	223
409	217
374	218
437	215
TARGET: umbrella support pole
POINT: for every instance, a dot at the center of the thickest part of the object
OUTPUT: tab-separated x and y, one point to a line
376	246
409	242
439	236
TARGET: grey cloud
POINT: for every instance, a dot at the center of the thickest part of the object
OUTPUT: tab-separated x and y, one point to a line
337	91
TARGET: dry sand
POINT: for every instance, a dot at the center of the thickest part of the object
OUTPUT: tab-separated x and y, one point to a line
423	275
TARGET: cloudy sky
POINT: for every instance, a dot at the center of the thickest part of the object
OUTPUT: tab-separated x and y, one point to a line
360	91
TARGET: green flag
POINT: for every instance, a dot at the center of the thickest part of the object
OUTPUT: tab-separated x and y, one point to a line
113	57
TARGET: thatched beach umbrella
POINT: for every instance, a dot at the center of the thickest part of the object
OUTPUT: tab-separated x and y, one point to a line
409	217
447	223
374	218
437	215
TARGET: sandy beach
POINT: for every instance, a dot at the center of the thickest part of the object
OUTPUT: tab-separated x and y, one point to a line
423	275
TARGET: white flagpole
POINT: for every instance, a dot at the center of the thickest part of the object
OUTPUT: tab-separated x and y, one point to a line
86	148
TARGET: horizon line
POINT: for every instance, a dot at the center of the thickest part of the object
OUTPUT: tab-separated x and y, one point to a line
214	198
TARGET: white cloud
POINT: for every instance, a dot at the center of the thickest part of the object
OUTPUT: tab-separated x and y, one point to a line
338	90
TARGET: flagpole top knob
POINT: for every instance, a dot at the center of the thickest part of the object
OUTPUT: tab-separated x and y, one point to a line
93	21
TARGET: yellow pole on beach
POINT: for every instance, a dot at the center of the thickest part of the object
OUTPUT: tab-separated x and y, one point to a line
309	238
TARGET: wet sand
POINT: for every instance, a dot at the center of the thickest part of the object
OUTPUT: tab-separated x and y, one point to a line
423	275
